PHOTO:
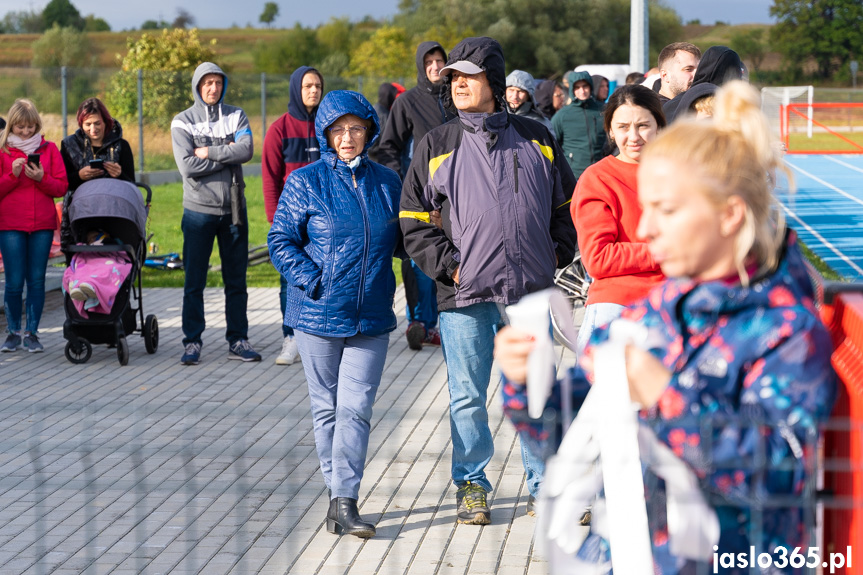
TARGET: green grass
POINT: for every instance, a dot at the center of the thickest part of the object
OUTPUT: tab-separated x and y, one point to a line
164	223
825	142
825	270
166	213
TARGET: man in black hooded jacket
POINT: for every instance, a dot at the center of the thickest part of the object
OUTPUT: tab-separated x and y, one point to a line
413	114
503	188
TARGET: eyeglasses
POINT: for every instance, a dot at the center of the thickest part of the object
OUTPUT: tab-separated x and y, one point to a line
356	131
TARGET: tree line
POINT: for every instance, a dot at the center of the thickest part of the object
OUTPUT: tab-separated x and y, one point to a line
545	37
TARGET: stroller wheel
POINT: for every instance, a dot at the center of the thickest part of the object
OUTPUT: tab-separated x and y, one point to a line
573	281
80	353
151	334
123	350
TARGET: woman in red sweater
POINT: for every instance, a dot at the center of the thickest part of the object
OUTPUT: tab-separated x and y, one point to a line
605	210
32	174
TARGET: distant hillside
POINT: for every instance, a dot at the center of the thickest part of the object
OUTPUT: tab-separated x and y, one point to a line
234	45
706	36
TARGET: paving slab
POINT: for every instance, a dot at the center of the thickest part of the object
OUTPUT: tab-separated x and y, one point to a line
155	467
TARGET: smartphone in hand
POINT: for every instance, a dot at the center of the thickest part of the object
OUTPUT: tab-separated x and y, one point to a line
33	159
97	164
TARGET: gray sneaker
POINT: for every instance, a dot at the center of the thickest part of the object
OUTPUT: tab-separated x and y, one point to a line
191	354
12	343
242	350
471	505
32	343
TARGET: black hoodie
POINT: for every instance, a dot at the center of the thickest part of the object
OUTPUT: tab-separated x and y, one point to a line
718	65
544	97
413	114
386	97
486	53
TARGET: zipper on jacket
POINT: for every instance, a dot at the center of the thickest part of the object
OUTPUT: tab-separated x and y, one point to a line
366	240
587	129
515	168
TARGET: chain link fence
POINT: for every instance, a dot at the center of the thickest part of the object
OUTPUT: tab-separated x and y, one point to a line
57	92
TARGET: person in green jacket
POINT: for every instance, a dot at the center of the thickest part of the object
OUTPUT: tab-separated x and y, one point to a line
578	126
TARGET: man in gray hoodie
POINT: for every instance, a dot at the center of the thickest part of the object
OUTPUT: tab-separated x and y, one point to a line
211	140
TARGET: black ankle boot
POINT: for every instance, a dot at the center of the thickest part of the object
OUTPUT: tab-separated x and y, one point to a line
343	517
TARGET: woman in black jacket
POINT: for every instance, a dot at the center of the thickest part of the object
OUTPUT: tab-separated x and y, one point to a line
95	150
98	137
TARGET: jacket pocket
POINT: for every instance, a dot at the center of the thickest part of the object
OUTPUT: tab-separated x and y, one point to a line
482	270
211	190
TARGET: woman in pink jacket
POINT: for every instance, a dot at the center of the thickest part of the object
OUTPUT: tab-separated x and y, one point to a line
32	174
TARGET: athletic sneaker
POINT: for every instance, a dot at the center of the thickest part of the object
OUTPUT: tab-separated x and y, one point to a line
289	353
242	350
432	337
531	505
415	335
12	343
191	354
32	343
471	503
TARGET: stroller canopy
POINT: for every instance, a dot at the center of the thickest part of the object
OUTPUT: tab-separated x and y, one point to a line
111	205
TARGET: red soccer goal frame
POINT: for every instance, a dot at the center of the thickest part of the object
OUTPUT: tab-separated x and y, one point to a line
801	111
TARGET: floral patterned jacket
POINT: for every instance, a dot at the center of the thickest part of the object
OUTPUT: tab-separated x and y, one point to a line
751	380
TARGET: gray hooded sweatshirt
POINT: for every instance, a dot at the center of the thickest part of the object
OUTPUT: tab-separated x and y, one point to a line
224	131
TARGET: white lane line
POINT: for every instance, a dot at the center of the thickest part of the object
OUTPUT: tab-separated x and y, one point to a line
821	238
841	163
831	186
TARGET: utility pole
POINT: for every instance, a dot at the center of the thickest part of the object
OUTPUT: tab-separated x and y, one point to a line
638	37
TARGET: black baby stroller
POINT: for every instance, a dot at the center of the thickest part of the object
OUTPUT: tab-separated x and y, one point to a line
117	208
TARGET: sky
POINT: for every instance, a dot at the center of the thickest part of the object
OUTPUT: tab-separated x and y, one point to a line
731	11
129	14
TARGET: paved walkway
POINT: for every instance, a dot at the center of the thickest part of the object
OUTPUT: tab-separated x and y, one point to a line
159	468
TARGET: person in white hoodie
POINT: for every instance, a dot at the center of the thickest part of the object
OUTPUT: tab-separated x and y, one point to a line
211	141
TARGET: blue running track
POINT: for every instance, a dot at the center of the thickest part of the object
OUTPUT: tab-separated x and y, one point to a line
827	209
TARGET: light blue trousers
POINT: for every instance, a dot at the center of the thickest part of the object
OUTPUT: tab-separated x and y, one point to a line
343	375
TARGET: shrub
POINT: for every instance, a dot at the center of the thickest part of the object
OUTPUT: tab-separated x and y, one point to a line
168	60
387	54
62	47
295	47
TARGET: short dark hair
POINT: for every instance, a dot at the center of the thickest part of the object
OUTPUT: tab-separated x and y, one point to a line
316	73
634	95
436	49
634	78
95	106
669	51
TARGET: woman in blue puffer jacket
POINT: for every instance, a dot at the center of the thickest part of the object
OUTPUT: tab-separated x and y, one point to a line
333	238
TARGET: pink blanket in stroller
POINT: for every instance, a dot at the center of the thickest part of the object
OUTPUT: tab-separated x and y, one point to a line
99	276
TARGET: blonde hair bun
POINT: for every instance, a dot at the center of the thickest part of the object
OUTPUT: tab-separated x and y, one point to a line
733	153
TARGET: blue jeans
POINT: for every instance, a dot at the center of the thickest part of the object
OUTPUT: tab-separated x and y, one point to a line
421	295
534	466
596	315
343	375
467	341
199	232
25	258
283	303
